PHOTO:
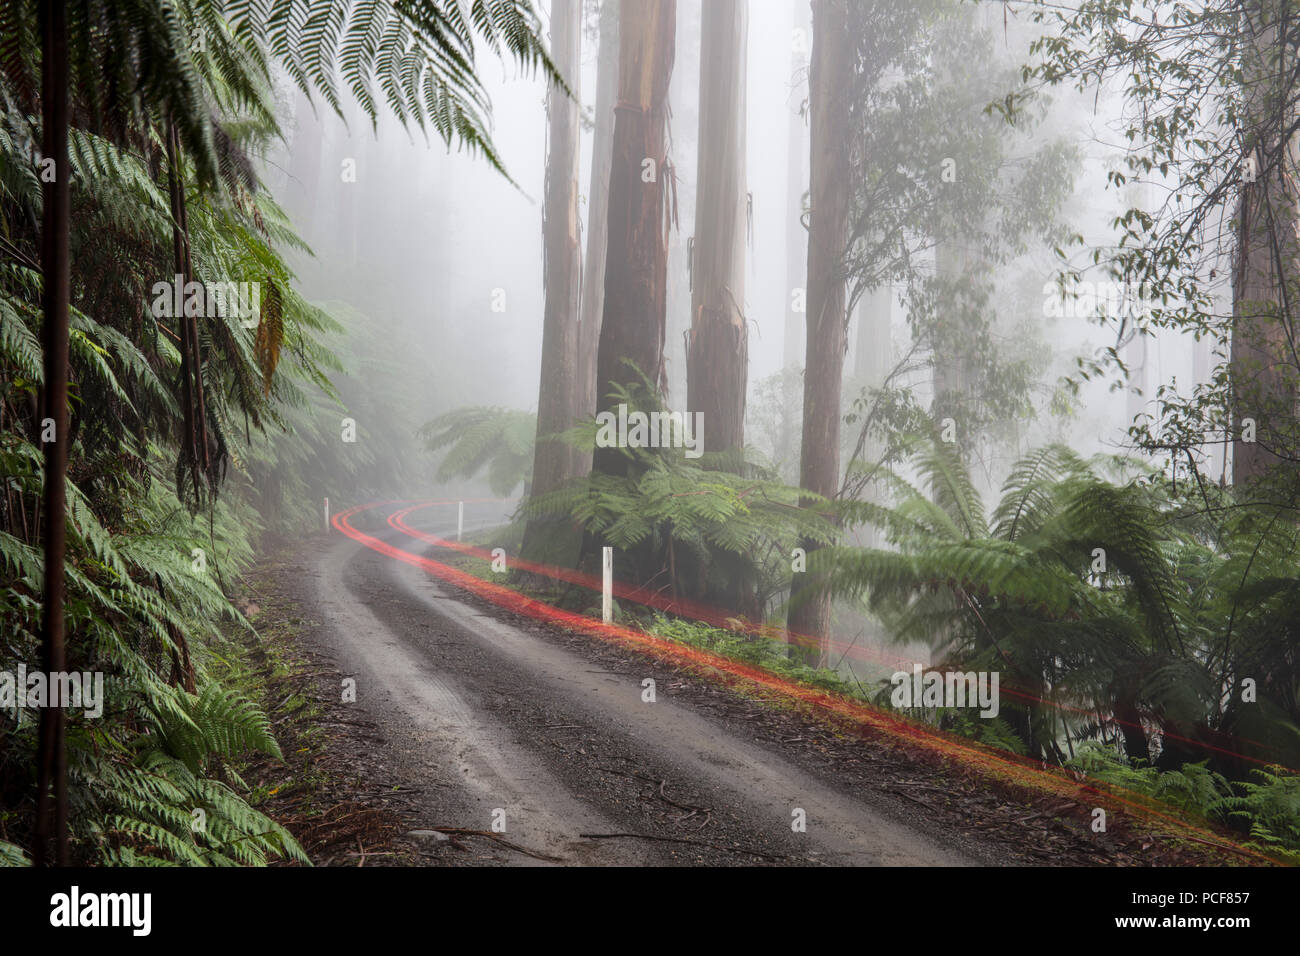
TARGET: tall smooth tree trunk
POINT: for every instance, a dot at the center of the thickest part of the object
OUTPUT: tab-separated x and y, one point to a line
1206	359
305	166
717	353
555	461
959	262
872	358
954	260
637	256
52	771
1265	367
796	235
1137	356
683	111
830	84
872	361
963	260
593	278
1137	353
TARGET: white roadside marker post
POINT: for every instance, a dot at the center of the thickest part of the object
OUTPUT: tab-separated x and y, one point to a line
327	514
607	585
460	519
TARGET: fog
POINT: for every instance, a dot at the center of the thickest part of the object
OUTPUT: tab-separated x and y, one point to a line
444	254
433	232
857	375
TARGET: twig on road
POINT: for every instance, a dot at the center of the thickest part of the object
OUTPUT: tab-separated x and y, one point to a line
462	831
689	811
664	839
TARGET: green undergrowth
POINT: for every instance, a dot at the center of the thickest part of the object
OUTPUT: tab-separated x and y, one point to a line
156	778
748	648
266	667
1265	809
753	649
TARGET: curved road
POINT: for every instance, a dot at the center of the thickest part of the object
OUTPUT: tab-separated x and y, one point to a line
501	718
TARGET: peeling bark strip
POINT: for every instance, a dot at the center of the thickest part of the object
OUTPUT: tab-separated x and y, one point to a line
830	83
636	268
717	350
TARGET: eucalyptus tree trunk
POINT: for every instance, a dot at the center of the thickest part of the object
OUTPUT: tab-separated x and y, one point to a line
796	235
684	121
305	166
830	82
717	353
1265	368
632	329
954	260
960	262
51	822
872	357
872	361
555	461
593	278
1137	356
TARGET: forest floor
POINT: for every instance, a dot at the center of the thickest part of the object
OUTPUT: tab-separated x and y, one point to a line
467	717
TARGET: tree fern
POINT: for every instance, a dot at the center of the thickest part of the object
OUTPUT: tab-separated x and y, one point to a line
498	440
420	54
1021	595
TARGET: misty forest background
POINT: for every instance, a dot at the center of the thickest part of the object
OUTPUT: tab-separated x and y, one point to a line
989	310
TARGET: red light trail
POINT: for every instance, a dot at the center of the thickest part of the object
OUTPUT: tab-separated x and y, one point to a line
1008	766
714	617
